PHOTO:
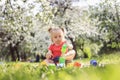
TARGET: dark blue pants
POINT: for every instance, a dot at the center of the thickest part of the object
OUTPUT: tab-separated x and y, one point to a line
56	59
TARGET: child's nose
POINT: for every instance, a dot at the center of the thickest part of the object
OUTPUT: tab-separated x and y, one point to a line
58	38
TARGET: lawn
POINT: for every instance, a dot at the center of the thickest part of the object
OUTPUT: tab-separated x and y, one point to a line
106	69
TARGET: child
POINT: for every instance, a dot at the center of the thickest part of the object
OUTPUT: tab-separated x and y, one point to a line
54	50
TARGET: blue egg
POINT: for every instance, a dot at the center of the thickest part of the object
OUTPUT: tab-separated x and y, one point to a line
93	62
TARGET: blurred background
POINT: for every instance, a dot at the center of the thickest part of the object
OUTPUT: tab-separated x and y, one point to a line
92	26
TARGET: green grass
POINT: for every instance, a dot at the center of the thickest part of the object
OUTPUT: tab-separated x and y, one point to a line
35	71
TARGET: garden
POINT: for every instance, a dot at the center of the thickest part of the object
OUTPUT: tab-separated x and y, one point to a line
91	27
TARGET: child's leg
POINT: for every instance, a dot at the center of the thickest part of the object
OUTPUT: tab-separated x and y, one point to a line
70	55
48	61
54	60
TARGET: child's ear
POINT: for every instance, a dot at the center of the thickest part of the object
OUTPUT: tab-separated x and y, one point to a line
49	30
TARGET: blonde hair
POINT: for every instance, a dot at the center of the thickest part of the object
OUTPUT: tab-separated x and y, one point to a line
54	29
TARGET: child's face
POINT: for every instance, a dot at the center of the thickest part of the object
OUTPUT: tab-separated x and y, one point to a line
57	36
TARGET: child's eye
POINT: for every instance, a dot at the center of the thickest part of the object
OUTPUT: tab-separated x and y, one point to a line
55	37
59	36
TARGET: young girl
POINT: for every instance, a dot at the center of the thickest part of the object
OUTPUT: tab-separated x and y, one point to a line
54	50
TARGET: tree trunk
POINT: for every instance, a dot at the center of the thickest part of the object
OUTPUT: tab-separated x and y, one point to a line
17	53
74	45
12	50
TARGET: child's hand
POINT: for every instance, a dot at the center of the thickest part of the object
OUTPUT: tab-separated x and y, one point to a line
70	46
49	55
63	55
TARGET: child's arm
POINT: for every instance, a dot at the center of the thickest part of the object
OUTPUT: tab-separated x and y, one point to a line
70	50
49	54
70	46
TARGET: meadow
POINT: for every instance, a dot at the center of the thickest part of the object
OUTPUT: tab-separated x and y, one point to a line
107	69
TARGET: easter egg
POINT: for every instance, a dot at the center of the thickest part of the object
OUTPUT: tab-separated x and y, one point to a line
93	62
77	64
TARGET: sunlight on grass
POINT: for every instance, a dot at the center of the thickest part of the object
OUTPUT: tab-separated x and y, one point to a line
35	71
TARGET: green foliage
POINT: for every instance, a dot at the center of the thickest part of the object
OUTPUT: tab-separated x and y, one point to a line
114	45
91	49
88	47
35	71
107	15
87	51
80	53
